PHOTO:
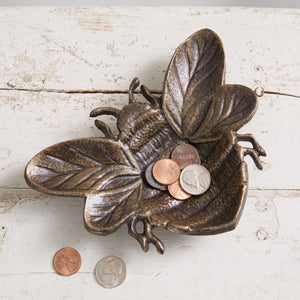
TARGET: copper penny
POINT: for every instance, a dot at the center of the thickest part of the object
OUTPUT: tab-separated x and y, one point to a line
185	155
177	191
67	261
164	188
166	171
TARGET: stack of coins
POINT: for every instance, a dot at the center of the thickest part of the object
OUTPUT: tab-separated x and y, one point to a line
182	175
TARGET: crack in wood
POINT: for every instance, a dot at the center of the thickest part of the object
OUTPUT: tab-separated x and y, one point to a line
60	91
281	94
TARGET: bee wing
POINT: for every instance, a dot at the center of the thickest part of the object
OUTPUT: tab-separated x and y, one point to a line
99	169
196	103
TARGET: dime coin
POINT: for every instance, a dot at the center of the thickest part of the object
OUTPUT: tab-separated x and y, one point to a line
111	271
185	155
195	179
177	191
150	179
166	171
67	261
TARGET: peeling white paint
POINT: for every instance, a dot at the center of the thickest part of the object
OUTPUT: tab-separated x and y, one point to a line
3	231
9	198
46	51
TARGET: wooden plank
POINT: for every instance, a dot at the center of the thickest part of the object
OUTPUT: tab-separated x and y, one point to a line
103	47
259	260
30	122
55	50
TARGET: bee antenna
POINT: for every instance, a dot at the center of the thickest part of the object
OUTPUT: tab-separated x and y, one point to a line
133	86
154	101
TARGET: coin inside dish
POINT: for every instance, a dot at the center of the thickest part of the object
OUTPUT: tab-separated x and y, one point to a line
185	155
166	171
177	192
195	179
151	180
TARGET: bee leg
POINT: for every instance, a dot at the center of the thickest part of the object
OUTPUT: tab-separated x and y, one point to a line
112	111
133	86
141	238
254	152
251	139
100	124
255	156
152	238
104	128
153	100
146	237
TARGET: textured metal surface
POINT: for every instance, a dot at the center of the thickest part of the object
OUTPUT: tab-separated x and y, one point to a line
195	107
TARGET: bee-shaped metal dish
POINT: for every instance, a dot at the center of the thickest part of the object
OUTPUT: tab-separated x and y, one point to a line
195	107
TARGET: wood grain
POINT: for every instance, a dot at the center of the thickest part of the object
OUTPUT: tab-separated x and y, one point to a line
88	48
257	260
30	122
58	63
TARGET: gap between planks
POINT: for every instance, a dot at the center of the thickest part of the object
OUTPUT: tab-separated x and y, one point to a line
58	91
40	273
155	92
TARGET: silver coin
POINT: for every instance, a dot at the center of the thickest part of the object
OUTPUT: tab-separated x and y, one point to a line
150	179
111	271
195	179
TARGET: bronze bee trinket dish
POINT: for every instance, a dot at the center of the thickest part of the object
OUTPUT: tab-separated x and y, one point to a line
195	107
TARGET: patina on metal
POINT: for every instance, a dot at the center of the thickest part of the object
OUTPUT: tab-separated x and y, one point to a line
195	107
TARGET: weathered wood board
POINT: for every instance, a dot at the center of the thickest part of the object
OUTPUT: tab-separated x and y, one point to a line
31	122
103	48
47	54
259	260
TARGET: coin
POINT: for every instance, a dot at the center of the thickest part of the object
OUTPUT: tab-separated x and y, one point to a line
195	179
166	171
177	191
185	155
111	271
150	179
164	188
67	261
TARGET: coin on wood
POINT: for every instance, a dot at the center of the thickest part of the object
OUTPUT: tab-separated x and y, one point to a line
185	155
177	191
151	180
67	261
111	271
166	171
195	179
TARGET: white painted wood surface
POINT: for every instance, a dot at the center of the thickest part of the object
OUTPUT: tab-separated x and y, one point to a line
46	52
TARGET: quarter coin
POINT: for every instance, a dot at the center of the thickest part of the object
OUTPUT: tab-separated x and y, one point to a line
177	191
67	261
111	271
150	179
195	179
185	155
166	171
